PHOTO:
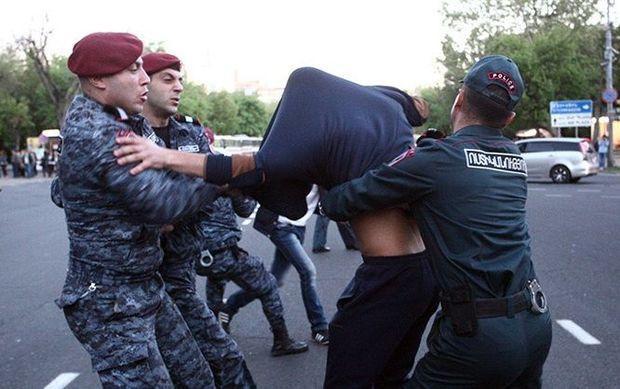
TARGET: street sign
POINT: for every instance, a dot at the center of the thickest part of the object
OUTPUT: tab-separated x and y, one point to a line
570	113
609	95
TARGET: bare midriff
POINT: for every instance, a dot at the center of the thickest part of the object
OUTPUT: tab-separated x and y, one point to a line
387	232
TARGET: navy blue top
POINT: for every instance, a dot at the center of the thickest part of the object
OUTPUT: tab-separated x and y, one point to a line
327	130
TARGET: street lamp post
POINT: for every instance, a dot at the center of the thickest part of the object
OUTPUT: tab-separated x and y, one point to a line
609	57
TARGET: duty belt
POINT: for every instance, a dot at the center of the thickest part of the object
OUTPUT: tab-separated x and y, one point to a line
458	303
505	306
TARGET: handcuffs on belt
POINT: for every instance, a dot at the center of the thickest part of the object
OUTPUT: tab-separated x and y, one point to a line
537	296
206	259
202	265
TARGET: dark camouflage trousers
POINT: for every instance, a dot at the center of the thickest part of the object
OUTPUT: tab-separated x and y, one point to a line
249	273
220	350
135	336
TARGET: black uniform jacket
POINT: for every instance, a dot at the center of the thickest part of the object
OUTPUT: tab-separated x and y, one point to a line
467	193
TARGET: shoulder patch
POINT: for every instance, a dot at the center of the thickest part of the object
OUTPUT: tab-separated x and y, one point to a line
407	154
501	162
189	148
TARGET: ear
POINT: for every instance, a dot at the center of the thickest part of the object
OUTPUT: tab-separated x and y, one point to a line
460	99
510	118
98	83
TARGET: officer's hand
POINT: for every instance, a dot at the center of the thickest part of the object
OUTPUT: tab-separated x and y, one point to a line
137	149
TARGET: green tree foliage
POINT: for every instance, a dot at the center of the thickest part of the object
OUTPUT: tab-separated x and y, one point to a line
35	90
222	113
555	43
226	113
15	123
194	100
252	114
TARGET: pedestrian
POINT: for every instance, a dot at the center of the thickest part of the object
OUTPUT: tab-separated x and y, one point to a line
26	163
182	246
3	163
33	162
44	164
468	194
603	149
16	163
113	298
51	163
288	237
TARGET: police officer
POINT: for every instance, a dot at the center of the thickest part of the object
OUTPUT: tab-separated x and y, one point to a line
182	245
223	260
468	194
113	299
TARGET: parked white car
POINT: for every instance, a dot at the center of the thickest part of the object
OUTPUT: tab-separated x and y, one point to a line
561	159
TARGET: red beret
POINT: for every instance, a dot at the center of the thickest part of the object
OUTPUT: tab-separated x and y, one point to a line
154	62
104	53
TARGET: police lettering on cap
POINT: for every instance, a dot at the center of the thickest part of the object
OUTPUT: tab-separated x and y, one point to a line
496	70
155	62
104	53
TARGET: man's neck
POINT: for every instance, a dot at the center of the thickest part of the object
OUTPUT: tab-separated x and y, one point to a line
462	123
155	119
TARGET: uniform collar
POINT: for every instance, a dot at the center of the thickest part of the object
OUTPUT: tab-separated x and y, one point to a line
477	130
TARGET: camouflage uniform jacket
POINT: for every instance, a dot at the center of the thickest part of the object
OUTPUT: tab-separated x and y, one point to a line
112	217
184	242
219	226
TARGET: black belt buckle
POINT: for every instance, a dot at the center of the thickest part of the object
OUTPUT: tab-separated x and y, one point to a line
462	311
537	296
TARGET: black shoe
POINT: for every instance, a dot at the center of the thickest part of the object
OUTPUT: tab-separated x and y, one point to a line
352	247
321	337
287	347
322	249
225	319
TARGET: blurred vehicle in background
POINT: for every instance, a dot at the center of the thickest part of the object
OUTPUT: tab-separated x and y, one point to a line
563	160
232	144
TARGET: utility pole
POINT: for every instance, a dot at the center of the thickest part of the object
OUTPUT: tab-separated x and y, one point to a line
609	58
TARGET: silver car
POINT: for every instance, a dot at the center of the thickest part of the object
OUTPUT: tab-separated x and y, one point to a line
561	159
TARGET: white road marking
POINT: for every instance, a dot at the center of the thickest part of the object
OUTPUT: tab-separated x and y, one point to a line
610	197
589	190
62	381
537	189
582	335
558	195
246	222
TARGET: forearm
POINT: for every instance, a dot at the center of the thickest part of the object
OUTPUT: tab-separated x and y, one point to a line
192	164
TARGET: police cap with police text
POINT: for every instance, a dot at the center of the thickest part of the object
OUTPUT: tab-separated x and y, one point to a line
155	62
104	54
496	70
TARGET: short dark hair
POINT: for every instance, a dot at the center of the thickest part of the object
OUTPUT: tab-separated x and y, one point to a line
491	112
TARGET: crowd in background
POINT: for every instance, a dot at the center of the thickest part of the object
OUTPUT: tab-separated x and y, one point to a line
26	163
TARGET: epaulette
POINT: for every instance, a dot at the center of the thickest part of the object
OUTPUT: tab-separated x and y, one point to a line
187	119
119	114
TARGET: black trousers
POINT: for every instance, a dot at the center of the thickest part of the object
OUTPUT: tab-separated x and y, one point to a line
382	314
504	353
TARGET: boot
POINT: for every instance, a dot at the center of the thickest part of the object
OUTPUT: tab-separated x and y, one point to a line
284	345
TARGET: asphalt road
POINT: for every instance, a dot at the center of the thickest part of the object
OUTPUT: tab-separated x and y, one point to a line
575	249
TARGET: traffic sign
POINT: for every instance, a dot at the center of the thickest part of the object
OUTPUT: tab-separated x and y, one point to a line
570	113
609	95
